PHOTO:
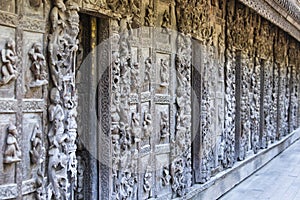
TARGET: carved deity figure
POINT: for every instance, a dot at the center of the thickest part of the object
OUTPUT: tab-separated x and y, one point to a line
165	22
57	173
12	151
57	15
56	116
148	66
135	125
149	16
126	185
37	145
147	125
147	180
166	176
38	65
9	60
135	80
164	73
164	125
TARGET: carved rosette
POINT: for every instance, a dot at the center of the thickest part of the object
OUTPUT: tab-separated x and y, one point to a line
63	45
181	148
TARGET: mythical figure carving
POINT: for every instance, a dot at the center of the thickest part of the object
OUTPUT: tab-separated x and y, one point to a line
135	79
164	125
149	17
38	66
56	116
37	149
165	21
126	185
182	141
12	152
147	78
164	73
178	184
9	60
148	181
63	45
166	176
147	125
136	130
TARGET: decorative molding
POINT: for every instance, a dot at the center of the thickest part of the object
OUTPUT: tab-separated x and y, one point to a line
8	19
266	9
28	186
33	105
8	191
35	25
8	105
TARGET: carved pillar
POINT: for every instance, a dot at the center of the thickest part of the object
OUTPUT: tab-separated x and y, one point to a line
293	107
62	164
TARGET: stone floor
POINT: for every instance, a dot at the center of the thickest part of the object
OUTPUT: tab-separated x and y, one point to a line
278	180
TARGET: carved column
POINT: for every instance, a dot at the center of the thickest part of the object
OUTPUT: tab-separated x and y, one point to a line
62	163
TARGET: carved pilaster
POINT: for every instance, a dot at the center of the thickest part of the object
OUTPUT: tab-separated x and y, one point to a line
181	152
62	164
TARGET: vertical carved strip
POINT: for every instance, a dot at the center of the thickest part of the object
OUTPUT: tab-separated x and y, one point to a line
181	150
62	163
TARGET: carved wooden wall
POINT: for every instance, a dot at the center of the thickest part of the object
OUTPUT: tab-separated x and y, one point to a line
146	114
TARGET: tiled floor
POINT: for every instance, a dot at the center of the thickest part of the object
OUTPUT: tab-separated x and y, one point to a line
278	180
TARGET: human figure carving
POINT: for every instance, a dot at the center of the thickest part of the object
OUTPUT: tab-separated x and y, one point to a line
9	59
38	65
12	151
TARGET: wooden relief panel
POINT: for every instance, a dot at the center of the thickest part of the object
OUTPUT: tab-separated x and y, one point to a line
23	80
